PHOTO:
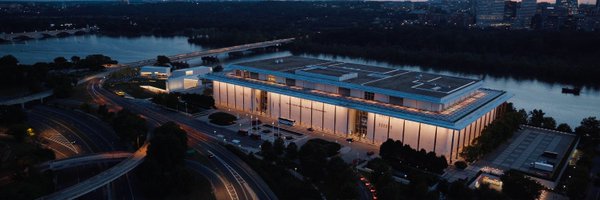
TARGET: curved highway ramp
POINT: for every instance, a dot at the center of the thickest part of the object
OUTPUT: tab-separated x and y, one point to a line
101	179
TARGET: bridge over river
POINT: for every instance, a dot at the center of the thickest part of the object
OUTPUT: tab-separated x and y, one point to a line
44	34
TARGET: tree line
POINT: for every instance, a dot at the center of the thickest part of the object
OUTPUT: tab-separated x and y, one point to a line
41	76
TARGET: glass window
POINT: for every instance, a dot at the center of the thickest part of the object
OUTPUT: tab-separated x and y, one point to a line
369	96
271	78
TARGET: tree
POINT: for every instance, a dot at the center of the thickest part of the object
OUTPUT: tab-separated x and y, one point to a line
517	186
564	128
218	68
61	62
75	59
278	146
168	145
589	126
291	151
549	123
162	61
386	150
536	118
8	60
18	131
163	171
95	62
12	115
170	100
129	127
266	150
313	160
62	85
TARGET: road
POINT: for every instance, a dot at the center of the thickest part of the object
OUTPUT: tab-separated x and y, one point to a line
248	184
70	133
101	179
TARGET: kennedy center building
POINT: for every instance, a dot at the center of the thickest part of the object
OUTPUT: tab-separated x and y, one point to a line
427	111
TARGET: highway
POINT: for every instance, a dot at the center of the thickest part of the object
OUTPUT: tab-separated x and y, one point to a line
71	133
83	160
101	179
247	183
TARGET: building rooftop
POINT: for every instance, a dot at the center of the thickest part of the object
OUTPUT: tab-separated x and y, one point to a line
455	117
390	79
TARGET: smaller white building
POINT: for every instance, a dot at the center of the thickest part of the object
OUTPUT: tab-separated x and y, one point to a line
159	72
187	79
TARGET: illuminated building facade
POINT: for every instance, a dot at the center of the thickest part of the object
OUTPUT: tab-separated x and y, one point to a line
426	111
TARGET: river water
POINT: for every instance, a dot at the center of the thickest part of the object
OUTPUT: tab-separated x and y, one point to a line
528	93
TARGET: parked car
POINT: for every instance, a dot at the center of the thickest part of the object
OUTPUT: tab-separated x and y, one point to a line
310	129
289	138
349	139
370	153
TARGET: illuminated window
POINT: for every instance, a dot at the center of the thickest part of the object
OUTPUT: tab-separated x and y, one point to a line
271	78
189	72
369	96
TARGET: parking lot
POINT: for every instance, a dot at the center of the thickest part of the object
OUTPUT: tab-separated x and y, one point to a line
528	146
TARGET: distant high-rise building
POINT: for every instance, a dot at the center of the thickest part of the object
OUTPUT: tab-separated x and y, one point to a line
570	5
525	12
510	10
489	12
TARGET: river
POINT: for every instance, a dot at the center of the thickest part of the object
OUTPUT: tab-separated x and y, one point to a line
528	93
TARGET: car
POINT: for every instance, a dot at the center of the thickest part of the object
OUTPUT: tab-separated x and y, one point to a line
266	131
310	129
349	139
370	153
210	155
289	137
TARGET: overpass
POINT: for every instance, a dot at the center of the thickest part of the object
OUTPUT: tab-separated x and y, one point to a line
101	179
46	33
82	160
32	97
